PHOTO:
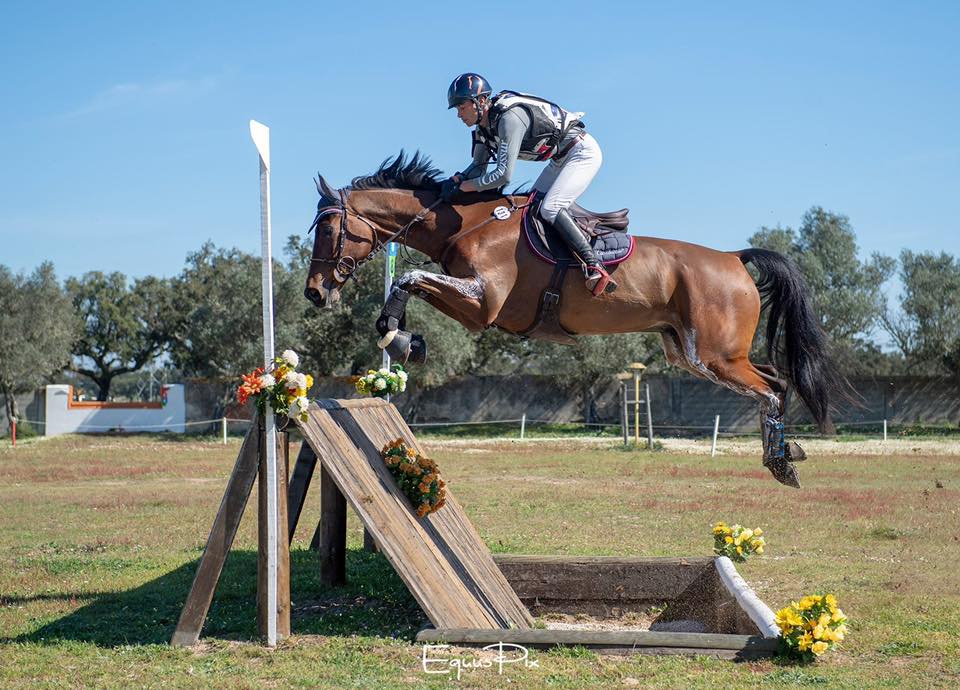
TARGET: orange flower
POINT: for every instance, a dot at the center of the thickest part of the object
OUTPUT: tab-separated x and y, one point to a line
251	385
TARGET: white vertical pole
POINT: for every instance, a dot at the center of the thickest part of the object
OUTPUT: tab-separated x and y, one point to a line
646	392
716	428
261	138
223	426
523	425
387	285
884	430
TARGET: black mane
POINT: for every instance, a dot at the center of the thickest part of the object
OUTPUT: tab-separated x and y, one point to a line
417	173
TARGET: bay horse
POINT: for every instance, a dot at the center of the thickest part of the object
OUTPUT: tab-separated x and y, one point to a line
704	303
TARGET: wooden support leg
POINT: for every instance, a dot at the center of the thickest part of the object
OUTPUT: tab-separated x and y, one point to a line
297	493
283	545
369	543
221	538
332	532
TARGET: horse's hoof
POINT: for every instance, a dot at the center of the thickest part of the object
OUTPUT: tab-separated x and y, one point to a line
794	452
783	471
399	347
418	350
385	341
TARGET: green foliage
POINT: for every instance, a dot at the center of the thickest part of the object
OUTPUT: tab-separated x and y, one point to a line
37	328
123	326
927	328
846	291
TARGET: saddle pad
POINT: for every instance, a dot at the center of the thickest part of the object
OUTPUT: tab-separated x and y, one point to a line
611	248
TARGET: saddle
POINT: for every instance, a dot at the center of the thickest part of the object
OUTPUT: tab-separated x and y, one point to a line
607	234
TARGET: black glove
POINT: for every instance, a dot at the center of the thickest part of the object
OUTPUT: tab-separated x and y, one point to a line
448	188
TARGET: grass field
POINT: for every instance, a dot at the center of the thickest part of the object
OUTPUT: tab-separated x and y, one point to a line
101	536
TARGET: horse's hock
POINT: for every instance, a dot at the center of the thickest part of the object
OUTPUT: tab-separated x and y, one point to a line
688	605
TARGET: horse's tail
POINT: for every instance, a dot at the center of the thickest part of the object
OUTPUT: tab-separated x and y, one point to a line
804	353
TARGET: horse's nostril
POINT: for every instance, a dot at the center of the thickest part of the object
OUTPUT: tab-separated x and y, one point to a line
314	296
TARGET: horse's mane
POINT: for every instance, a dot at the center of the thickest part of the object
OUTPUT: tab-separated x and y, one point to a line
417	173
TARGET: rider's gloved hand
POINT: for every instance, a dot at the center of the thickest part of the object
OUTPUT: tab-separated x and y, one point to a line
448	188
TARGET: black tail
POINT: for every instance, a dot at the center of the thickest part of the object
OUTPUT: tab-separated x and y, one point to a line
804	354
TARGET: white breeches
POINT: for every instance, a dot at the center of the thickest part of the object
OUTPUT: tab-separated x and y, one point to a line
562	184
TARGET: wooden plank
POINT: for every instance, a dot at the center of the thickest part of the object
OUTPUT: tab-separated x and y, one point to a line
420	550
283	546
381	424
592	638
297	493
219	541
332	531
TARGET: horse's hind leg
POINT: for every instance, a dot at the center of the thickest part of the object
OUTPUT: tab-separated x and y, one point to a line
743	377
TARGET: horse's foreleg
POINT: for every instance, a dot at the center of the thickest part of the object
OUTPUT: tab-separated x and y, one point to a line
461	299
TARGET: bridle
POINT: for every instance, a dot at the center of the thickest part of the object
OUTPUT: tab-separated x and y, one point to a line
346	266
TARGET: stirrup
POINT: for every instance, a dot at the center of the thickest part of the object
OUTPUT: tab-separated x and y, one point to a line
599	281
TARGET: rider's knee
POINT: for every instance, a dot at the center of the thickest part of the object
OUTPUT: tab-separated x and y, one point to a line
550	209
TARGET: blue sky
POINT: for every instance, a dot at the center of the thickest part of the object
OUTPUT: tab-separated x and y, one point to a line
125	142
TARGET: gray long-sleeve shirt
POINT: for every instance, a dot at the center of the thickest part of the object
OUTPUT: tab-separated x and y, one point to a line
513	124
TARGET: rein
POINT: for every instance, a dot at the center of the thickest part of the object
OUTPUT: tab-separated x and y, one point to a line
346	266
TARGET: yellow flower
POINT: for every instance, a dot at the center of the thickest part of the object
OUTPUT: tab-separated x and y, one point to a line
838	617
818	632
309	381
838	633
831	601
760	548
824	619
728	539
757	532
747	533
819	648
740	550
804	642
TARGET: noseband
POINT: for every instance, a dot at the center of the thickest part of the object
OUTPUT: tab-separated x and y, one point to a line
346	266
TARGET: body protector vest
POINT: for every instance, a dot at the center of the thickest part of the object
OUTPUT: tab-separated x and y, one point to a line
549	125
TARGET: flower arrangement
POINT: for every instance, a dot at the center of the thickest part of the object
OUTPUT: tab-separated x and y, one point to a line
737	542
381	382
810	627
418	477
283	387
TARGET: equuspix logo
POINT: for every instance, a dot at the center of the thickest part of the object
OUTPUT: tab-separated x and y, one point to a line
436	660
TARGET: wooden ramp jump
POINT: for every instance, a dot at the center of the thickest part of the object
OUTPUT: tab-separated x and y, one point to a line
440	558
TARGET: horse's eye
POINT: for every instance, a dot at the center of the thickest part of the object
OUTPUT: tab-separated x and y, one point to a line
327	231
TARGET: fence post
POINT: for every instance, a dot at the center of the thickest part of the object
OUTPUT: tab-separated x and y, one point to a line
13	431
523	425
649	418
223	425
884	430
716	428
624	414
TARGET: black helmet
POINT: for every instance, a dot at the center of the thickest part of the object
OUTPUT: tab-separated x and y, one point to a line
469	86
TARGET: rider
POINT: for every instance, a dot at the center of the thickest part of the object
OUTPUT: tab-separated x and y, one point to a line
513	125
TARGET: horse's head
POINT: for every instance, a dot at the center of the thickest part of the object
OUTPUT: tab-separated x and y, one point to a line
343	241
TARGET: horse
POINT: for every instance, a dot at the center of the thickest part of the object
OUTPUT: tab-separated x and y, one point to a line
704	303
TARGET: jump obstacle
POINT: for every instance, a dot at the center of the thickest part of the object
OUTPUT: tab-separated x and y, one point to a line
469	596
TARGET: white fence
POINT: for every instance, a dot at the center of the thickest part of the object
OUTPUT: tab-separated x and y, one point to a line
64	415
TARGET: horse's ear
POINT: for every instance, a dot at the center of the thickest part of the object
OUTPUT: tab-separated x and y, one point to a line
324	189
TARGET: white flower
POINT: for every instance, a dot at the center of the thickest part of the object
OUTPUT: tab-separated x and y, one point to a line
290	357
380	384
303	404
267	380
370	377
403	386
384	372
292	380
302	381
402	375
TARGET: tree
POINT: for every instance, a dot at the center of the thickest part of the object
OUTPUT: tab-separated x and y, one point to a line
927	329
846	291
38	325
216	331
123	326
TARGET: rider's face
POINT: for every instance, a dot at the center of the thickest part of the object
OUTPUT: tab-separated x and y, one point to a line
467	112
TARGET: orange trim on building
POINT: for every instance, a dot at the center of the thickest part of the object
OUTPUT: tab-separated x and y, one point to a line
97	405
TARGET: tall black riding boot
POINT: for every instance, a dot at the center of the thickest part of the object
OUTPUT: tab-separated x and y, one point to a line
598	280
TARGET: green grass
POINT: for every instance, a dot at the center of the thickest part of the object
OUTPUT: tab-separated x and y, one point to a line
101	537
